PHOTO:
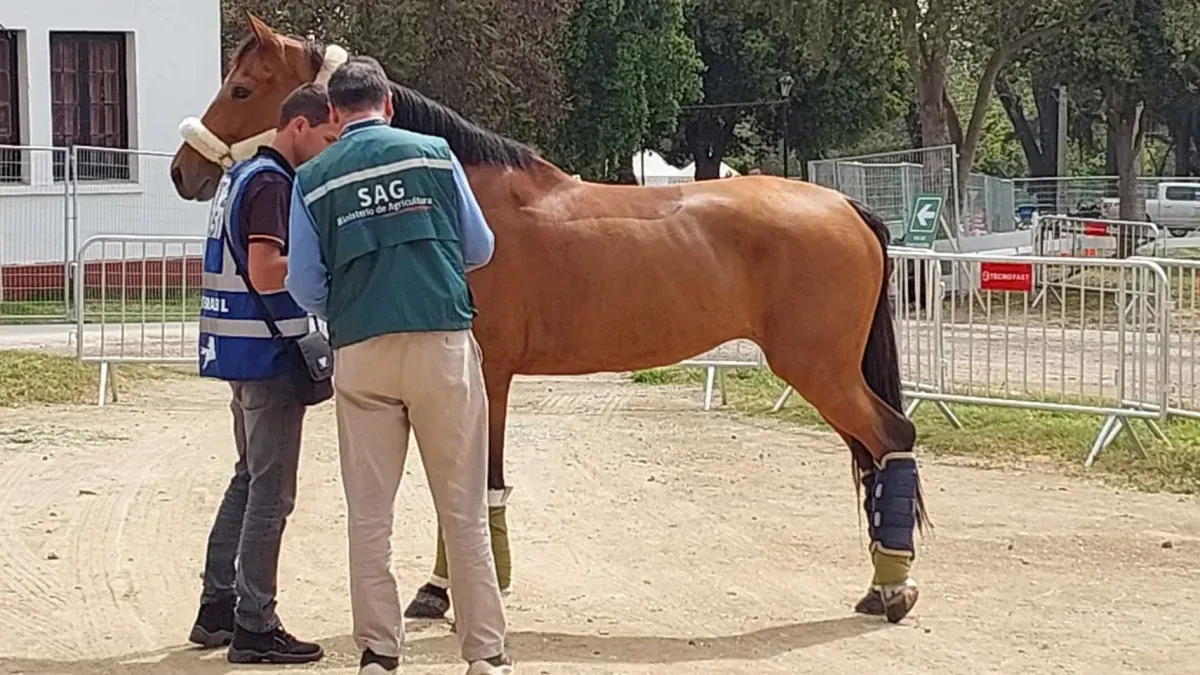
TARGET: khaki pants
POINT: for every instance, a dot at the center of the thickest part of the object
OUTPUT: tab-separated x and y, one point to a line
433	382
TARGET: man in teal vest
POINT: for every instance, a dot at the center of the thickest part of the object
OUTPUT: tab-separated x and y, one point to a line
383	230
248	233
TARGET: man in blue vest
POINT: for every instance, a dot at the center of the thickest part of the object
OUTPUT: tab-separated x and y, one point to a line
248	228
384	228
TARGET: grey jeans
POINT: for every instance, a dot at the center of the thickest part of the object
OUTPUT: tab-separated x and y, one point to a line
243	546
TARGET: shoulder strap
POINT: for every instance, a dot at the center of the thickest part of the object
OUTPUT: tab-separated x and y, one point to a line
264	312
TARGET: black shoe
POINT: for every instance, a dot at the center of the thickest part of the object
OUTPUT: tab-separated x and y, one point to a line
497	665
372	663
214	624
277	646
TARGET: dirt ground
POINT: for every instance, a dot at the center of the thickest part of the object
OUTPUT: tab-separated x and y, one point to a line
649	537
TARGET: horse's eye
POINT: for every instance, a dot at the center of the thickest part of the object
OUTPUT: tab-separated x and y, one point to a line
241	93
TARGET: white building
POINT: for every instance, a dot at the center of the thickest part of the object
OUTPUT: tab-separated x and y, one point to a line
117	74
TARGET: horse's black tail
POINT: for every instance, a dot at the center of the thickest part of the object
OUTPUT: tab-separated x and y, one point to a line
881	360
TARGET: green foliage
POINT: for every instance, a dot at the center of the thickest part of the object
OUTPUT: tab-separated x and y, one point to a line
629	66
498	62
848	77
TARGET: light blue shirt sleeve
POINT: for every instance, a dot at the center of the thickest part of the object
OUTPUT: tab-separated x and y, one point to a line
476	238
307	277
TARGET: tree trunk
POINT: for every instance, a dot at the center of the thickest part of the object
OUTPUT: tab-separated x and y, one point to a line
1038	158
1125	119
1045	96
931	83
625	174
708	168
1183	125
708	135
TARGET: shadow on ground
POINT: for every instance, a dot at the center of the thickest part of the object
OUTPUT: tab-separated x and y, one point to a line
530	646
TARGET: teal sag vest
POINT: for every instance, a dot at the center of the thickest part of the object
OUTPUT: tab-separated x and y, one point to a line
234	341
386	212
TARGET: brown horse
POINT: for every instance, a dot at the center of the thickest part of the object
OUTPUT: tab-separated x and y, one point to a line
593	278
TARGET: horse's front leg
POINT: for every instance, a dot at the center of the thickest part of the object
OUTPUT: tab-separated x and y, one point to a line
433	599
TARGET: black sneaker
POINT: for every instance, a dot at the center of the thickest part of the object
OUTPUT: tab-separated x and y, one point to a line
374	664
277	646
214	624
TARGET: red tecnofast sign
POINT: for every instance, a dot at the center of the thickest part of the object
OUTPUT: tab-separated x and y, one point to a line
998	276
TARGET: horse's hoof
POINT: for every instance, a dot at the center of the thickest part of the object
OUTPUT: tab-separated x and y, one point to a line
431	603
871	604
898	600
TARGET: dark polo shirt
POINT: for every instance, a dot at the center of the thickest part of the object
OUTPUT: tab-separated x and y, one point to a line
268	201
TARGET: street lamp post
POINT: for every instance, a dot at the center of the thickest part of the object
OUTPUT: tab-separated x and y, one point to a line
785	89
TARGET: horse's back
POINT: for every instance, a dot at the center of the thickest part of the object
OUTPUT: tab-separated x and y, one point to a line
637	276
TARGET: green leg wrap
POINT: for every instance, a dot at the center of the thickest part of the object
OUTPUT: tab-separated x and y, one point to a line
441	569
498	524
890	569
503	555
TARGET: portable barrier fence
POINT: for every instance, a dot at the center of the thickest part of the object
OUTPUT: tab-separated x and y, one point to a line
1183	373
53	199
138	300
734	354
35	233
1067	194
972	329
889	183
1068	236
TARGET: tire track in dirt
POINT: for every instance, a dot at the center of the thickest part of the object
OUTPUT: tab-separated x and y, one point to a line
678	515
122	531
24	574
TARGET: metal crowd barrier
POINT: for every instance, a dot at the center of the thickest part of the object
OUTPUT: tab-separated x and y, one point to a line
1183	373
970	328
973	329
138	300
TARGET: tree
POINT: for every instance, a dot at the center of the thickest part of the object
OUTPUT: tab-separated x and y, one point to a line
992	32
1132	58
1037	133
495	61
630	66
845	73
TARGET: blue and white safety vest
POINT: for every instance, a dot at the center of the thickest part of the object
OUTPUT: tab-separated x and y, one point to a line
234	341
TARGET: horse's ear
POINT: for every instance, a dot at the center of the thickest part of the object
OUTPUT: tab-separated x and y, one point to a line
267	37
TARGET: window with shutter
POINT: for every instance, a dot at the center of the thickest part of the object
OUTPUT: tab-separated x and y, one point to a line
89	102
12	166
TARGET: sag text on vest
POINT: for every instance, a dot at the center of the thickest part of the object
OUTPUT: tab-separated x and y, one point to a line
381	199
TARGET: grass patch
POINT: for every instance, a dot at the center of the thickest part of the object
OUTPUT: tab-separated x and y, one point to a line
173	306
991	435
30	378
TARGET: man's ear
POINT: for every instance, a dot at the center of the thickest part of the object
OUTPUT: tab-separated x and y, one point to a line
388	108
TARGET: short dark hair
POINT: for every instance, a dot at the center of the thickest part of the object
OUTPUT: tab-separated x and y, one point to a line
359	84
310	101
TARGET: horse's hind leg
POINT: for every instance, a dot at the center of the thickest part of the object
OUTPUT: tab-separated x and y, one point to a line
880	440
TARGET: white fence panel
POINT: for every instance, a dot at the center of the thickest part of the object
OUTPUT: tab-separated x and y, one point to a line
889	183
35	247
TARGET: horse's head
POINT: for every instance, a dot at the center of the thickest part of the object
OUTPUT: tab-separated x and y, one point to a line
265	69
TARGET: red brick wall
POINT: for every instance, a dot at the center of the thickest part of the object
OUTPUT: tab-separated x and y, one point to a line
42	280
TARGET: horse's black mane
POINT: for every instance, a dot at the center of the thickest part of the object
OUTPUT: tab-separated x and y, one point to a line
471	143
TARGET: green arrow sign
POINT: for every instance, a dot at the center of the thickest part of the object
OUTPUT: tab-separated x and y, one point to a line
923	221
